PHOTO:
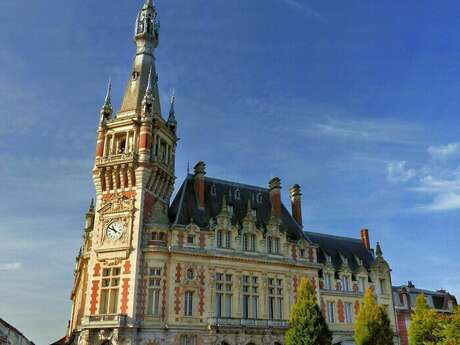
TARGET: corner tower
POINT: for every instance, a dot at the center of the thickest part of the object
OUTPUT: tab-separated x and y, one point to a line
133	174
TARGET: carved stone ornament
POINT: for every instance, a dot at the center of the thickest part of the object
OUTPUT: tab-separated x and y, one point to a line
118	204
83	338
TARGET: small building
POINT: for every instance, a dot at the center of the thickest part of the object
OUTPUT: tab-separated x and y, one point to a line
404	298
9	335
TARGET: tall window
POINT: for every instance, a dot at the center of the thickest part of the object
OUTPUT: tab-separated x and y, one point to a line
348	314
328	281
224	239
153	294
330	312
361	284
275	299
383	286
224	293
250	297
109	290
188	310
345	283
273	245
249	242
188	340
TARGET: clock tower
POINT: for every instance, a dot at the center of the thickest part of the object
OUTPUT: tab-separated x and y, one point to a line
134	177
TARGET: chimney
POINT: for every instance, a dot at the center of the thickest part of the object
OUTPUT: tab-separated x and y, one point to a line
199	172
296	203
275	195
365	238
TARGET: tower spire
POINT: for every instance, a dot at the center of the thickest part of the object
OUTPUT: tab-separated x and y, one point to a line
146	38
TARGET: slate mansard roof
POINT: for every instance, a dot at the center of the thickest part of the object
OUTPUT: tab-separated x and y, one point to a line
184	209
337	247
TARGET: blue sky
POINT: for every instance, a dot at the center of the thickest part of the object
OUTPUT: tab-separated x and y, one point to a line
357	101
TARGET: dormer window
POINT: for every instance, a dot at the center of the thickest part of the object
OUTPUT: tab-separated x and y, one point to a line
328	259
135	75
302	253
190	274
345	282
259	198
273	245
237	194
213	190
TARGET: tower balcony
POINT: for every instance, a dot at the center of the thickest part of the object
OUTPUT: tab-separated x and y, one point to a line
105	321
247	323
116	158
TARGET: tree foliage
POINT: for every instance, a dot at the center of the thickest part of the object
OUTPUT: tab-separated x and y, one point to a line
372	325
307	325
449	332
425	325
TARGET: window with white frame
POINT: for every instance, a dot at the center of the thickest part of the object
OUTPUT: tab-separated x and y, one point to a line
224	294
250	297
275	299
153	292
249	242
348	313
188	340
188	303
273	245
330	312
224	239
328	281
361	284
345	282
110	290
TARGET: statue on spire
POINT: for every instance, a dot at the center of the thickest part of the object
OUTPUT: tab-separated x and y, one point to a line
149	98
107	109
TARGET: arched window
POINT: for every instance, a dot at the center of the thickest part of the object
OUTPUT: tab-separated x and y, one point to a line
190	274
213	190
237	194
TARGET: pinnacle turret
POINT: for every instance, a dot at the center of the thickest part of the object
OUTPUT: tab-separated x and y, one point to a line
149	97
172	122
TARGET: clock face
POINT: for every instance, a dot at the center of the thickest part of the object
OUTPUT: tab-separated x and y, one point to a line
115	230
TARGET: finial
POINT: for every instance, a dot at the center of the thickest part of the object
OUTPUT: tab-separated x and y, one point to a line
148	3
108	96
378	250
172	122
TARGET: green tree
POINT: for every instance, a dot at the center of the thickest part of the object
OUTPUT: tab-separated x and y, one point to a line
307	325
425	325
372	325
450	329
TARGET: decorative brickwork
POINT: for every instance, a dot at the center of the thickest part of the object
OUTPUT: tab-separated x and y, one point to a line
340	311
149	203
294	251
165	288
202	241
177	299
94	296
201	294
124	296
97	270
357	307
313	282
295	283
127	267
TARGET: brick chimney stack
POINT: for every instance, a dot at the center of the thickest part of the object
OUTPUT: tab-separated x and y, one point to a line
296	203
275	194
199	172
365	238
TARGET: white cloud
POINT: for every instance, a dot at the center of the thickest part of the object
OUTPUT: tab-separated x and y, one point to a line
443	202
370	131
12	266
444	151
301	5
398	172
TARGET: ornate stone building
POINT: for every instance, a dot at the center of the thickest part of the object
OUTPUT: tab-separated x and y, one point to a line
220	263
